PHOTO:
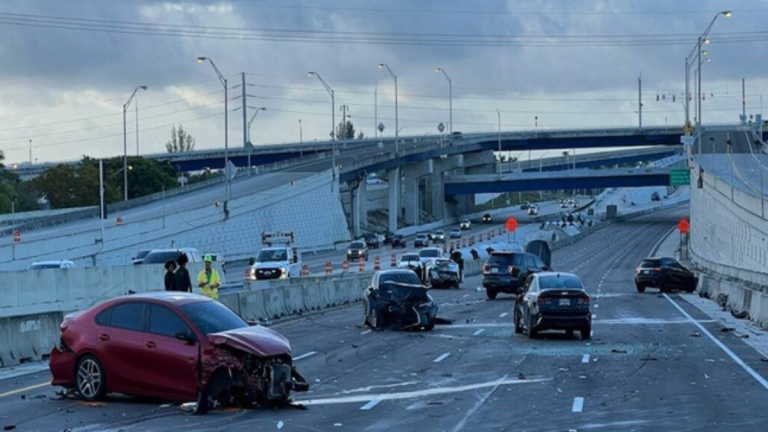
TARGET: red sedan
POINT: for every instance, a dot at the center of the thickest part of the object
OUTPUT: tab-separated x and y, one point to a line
174	346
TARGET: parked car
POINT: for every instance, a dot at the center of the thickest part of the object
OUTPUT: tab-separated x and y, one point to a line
398	241
397	298
465	224
372	241
439	236
666	274
54	264
139	258
160	256
525	205
487	218
420	241
444	273
455	233
191	347
533	210
357	250
553	301
507	271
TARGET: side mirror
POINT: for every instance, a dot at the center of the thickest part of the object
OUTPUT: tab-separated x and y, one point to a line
252	323
251	261
186	336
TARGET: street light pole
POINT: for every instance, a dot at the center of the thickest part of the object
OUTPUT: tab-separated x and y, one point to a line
450	99
498	113
125	142
227	185
397	128
333	118
250	144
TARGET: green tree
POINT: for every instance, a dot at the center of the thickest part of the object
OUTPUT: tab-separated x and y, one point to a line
181	141
345	131
360	135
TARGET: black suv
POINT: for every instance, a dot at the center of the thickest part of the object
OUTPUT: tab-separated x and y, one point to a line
357	250
371	240
665	274
506	271
398	241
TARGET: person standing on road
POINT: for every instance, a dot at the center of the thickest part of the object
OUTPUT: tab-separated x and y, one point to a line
208	279
182	282
170	268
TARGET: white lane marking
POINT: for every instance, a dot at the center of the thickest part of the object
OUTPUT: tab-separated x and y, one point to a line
725	349
441	358
477	333
578	404
366	332
503	315
416	393
371	387
585	358
476	407
465	295
303	356
594	316
370	405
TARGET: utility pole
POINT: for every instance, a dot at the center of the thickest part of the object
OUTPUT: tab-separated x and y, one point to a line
245	115
376	110
743	100
30	151
640	101
137	126
301	133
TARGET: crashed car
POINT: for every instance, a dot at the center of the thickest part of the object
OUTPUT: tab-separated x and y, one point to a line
413	262
397	298
173	346
444	273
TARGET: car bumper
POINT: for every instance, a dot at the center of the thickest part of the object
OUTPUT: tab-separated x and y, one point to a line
648	280
563	322
505	284
62	365
444	279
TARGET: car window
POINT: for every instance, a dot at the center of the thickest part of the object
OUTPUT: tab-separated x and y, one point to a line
356	245
650	263
404	278
506	260
539	263
165	322
213	317
161	257
429	253
530	262
102	318
128	316
559	282
272	255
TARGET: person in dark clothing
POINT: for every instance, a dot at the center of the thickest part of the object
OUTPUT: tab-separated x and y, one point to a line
170	268
458	258
182	282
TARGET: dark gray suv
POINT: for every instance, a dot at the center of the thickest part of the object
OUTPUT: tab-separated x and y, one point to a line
506	271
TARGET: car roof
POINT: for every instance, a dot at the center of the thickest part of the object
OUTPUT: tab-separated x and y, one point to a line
430	249
50	262
556	274
173	297
174	250
394	271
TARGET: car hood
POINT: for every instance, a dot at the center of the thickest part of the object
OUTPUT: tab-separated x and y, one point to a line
270	265
256	340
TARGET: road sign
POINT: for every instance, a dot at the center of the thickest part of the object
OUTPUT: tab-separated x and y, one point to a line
683	226
441	127
679	177
16	236
381	127
511	224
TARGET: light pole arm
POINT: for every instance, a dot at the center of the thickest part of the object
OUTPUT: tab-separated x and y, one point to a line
327	87
130	99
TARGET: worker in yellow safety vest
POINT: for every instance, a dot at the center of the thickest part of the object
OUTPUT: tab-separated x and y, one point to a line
208	280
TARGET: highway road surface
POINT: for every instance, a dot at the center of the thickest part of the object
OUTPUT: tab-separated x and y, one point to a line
655	363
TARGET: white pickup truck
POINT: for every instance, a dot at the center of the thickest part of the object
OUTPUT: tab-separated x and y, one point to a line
276	260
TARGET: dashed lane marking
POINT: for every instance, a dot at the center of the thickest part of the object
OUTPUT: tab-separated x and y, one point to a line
25	389
477	333
503	315
578	404
370	405
585	358
303	356
441	358
366	332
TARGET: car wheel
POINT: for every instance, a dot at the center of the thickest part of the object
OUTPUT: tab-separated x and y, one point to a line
518	323
377	319
491	294
90	379
640	288
586	333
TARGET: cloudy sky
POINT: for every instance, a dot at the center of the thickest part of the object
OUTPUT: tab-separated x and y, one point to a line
67	67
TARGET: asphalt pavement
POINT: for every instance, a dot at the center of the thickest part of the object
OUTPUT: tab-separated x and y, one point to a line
655	363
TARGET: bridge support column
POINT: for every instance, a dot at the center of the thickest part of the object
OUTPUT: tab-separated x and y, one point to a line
359	207
416	195
437	192
393	177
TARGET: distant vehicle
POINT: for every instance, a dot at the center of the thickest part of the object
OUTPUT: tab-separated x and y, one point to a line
139	258
487	218
455	233
533	210
278	259
197	346
397	298
553	301
439	236
398	241
160	256
412	261
357	250
49	265
372	241
666	274
429	254
465	224
388	237
563	204
507	271
444	273
420	241
457	135
525	205
655	197
575	204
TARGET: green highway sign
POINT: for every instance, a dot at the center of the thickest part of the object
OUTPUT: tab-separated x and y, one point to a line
680	177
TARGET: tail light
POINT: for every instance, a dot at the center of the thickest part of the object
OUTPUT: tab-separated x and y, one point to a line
485	268
657	269
583	300
638	270
543	299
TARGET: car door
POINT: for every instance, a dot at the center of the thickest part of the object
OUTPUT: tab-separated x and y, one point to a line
119	348
529	300
521	309
672	268
530	263
173	362
684	277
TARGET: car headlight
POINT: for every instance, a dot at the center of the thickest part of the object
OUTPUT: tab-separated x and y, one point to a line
283	272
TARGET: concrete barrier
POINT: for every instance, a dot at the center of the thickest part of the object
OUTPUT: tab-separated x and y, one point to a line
28	337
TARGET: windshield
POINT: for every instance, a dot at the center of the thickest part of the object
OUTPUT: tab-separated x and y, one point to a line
403	278
142	254
213	317
272	255
44	266
357	245
506	260
410	257
429	253
161	257
562	281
